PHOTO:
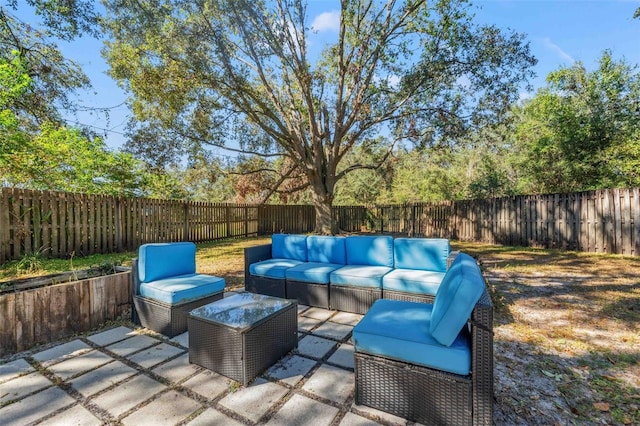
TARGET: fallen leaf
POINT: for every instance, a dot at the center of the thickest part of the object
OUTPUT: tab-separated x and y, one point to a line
602	406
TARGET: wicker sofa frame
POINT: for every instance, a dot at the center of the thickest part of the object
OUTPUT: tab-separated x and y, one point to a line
309	294
163	318
431	396
261	285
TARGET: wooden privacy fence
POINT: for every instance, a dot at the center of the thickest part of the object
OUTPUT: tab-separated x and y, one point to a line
603	221
60	223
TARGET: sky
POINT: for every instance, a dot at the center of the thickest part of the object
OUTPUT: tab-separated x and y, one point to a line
560	32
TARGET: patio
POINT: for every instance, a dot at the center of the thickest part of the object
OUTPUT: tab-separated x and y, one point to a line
124	376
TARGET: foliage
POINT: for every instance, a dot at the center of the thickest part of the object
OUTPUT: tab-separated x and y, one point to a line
240	75
580	132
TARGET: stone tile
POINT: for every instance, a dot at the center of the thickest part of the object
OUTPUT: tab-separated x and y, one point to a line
155	355
354	420
343	356
182	339
208	384
129	394
291	369
382	415
13	369
176	369
301	411
168	409
23	386
306	323
315	347
212	417
254	401
302	308
111	336
80	364
346	318
318	313
35	407
333	330
331	383
102	378
76	416
62	352
132	344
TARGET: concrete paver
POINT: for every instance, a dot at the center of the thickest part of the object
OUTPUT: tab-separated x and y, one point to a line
177	369
333	330
154	355
13	369
343	356
208	384
76	416
182	339
303	411
62	352
388	418
128	394
255	400
168	409
291	369
23	386
332	383
101	378
132	344
34	407
80	364
307	323
347	318
213	417
351	419
318	313
111	336
315	347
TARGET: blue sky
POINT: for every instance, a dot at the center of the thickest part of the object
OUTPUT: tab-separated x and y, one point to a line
560	32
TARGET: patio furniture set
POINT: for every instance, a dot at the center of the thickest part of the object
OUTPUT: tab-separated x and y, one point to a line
423	350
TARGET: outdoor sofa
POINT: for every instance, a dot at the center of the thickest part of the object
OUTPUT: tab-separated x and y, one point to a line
347	273
166	287
430	363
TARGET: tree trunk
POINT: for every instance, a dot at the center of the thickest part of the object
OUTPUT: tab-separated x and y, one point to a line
322	201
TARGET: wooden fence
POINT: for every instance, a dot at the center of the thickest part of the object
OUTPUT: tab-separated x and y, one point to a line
604	221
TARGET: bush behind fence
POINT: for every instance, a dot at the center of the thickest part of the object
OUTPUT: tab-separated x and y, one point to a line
59	224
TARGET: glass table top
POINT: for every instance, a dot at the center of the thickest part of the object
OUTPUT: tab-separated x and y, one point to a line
240	310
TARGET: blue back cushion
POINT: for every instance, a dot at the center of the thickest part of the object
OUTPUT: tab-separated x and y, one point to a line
326	249
162	260
426	254
370	250
284	246
461	288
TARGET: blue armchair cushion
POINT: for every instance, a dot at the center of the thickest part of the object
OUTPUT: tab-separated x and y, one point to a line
285	246
326	249
182	288
311	272
461	288
413	281
400	330
273	268
428	254
370	250
359	276
162	260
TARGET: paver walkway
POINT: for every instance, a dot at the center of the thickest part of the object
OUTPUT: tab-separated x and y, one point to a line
122	377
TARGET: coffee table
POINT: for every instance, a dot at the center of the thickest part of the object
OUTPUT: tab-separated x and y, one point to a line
242	334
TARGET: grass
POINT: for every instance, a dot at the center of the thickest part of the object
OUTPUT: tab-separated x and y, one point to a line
567	326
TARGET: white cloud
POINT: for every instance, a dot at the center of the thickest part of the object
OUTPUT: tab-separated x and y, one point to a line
558	50
327	21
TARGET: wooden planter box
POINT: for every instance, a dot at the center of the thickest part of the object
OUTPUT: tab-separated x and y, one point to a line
46	314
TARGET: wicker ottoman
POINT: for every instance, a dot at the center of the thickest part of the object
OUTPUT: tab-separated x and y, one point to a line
242	334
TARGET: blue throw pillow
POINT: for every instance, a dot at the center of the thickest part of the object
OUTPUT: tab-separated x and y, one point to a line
284	246
425	254
461	288
326	249
370	250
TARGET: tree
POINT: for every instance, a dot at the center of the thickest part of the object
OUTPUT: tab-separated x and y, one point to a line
580	132
240	75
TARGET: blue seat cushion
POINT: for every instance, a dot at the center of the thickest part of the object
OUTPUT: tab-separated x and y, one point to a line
369	250
429	254
284	246
162	260
273	268
183	288
413	281
326	249
311	272
461	288
400	330
359	276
